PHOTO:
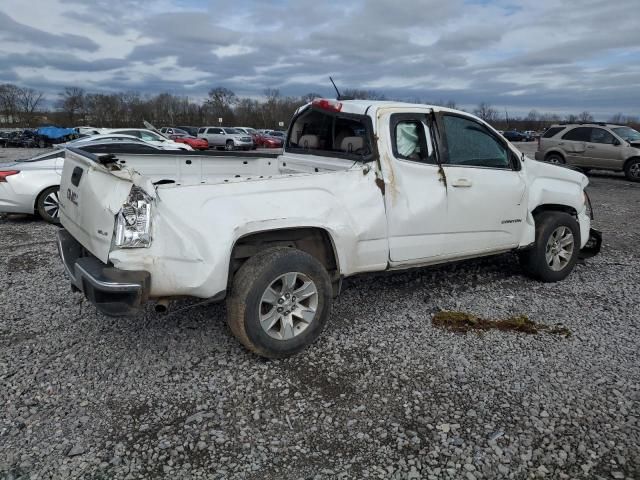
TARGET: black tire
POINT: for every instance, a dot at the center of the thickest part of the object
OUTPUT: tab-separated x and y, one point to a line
555	158
534	261
245	304
46	205
632	170
229	145
42	143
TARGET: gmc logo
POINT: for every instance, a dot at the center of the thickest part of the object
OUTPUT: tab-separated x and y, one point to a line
72	197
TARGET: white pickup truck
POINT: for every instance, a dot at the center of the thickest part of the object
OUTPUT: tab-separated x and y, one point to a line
361	186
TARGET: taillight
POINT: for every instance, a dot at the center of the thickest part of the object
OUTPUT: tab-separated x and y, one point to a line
330	105
7	173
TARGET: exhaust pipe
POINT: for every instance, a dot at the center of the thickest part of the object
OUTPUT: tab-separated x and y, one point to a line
162	305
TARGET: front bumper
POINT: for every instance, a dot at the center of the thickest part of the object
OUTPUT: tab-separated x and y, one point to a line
593	245
113	291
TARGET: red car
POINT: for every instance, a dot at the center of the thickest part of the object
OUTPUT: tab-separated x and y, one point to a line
267	141
193	142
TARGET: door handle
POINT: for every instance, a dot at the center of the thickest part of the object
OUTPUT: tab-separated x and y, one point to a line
462	183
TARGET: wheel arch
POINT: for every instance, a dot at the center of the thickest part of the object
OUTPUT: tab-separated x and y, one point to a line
554	207
554	151
628	162
39	195
315	241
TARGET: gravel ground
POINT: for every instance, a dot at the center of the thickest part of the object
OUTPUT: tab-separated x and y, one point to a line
383	394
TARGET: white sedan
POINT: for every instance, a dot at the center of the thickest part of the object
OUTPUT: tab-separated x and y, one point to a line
31	185
151	137
121	137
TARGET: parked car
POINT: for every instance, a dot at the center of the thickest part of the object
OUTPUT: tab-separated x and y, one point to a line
267	141
275	236
89	130
3	139
167	131
151	137
118	138
31	185
277	133
514	136
194	142
229	138
193	131
253	133
21	138
530	135
598	145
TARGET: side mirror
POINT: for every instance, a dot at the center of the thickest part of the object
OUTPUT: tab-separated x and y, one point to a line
616	142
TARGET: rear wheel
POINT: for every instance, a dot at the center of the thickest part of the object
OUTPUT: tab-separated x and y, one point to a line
229	145
280	302
632	170
555	158
556	249
48	205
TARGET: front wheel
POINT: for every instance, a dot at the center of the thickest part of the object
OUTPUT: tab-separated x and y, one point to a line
229	145
555	252
280	302
48	205
632	170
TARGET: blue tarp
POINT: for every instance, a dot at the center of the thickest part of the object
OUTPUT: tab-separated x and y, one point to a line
55	132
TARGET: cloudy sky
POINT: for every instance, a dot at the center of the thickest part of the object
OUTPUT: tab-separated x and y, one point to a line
552	55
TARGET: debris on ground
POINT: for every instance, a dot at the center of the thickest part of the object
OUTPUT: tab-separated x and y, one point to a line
463	322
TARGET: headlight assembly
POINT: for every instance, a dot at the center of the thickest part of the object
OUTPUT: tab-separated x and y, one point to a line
133	222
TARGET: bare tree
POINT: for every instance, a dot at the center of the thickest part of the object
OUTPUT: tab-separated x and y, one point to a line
357	94
9	110
28	101
486	112
71	102
585	117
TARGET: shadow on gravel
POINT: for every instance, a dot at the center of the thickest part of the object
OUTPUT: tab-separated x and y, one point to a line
461	322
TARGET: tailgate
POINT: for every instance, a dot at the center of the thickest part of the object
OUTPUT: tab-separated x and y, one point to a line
90	198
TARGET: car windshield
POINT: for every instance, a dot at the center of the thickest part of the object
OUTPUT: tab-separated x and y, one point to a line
44	156
628	133
232	131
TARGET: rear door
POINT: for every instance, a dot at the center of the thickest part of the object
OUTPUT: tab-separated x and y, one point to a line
415	194
486	204
90	197
574	144
215	136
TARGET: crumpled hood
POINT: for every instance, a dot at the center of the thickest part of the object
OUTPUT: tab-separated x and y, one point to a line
557	172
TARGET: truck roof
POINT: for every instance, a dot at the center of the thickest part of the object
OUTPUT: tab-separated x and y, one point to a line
362	107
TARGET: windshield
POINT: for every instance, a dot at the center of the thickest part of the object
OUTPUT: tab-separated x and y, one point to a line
628	133
232	131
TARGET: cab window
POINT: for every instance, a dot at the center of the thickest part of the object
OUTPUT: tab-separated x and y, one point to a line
410	140
600	135
470	144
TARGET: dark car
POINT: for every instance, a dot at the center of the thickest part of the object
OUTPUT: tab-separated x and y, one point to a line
193	131
3	139
25	138
515	136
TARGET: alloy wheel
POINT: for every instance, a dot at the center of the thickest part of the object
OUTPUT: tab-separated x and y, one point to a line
288	306
559	249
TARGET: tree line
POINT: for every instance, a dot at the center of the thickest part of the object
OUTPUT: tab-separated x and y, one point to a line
74	106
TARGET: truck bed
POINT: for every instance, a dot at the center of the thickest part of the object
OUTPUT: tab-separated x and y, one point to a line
188	168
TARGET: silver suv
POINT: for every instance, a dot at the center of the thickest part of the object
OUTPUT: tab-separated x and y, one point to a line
229	138
593	145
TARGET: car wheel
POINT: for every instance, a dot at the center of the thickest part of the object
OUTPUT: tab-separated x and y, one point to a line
632	170
556	248
555	158
42	143
280	302
48	205
229	145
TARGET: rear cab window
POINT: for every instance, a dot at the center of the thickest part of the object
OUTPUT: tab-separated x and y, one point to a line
331	134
